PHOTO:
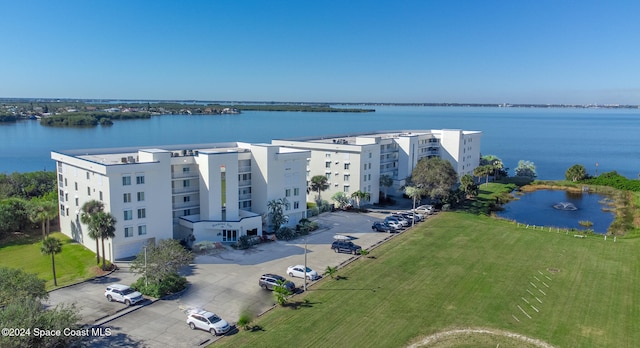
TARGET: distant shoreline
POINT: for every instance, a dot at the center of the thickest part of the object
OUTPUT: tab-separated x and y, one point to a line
286	106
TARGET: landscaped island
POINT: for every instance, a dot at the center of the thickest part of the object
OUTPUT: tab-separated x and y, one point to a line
90	114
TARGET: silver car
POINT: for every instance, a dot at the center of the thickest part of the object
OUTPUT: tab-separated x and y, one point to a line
207	321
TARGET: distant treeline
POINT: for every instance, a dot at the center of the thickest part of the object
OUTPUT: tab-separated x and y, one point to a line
293	107
90	119
27	185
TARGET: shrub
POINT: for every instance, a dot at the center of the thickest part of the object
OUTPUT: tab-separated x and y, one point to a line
285	233
169	285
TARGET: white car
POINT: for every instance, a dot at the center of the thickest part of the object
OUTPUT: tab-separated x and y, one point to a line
298	271
424	209
207	321
122	293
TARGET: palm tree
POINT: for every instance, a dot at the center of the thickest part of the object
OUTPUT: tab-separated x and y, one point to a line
331	271
50	212
89	209
275	207
105	225
386	181
37	214
415	193
52	246
485	170
319	183
360	196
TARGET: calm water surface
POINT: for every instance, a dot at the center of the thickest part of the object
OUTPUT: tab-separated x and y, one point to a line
554	139
537	208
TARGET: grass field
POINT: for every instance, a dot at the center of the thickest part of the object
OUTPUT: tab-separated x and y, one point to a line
75	263
459	271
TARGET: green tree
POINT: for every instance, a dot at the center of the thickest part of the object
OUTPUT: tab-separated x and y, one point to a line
276	212
385	181
281	293
341	199
14	214
526	169
360	196
331	271
28	312
38	215
435	176
485	171
468	185
16	283
52	246
415	193
496	163
576	172
88	210
105	227
318	184
162	262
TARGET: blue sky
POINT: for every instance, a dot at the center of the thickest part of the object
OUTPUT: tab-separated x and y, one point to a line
543	51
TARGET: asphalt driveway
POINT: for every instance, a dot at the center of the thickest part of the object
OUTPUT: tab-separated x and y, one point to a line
224	282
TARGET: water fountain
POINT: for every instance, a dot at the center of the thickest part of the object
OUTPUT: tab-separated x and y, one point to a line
565	206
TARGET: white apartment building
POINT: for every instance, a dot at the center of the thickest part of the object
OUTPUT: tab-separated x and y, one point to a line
219	192
207	192
355	162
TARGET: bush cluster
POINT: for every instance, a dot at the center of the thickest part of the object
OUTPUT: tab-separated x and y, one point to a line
169	285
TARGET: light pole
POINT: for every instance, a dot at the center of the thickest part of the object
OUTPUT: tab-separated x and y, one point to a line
305	264
145	267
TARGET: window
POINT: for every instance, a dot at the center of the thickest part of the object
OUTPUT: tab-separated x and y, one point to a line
65	182
126	197
328	175
185	183
75	184
346	188
88	191
128	231
61	209
66	197
185	170
140	179
142	230
346	166
364	178
296	191
140	196
346	177
61	195
77	202
126	180
142	213
100	194
128	215
87	175
287	192
296	205
327	165
186	199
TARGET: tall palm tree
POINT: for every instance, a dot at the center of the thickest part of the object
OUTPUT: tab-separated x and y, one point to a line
89	209
319	183
105	226
52	246
50	212
37	214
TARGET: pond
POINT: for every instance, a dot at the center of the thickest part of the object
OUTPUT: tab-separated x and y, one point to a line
559	208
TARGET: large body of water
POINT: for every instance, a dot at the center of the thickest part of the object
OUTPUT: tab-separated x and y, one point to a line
553	138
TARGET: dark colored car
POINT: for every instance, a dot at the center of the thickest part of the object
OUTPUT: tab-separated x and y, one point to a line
340	246
270	281
381	227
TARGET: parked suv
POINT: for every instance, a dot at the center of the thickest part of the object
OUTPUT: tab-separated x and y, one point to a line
122	293
270	281
207	321
349	247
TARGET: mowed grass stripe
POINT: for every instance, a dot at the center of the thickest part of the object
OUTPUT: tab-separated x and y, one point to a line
460	270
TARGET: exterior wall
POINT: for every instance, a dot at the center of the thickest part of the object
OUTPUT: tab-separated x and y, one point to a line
174	193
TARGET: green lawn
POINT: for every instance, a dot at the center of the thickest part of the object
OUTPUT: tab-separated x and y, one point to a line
460	270
75	263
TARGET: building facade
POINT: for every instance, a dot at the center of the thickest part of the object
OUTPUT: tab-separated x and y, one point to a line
355	162
219	192
211	192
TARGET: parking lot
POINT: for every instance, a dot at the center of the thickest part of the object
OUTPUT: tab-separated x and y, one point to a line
225	283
